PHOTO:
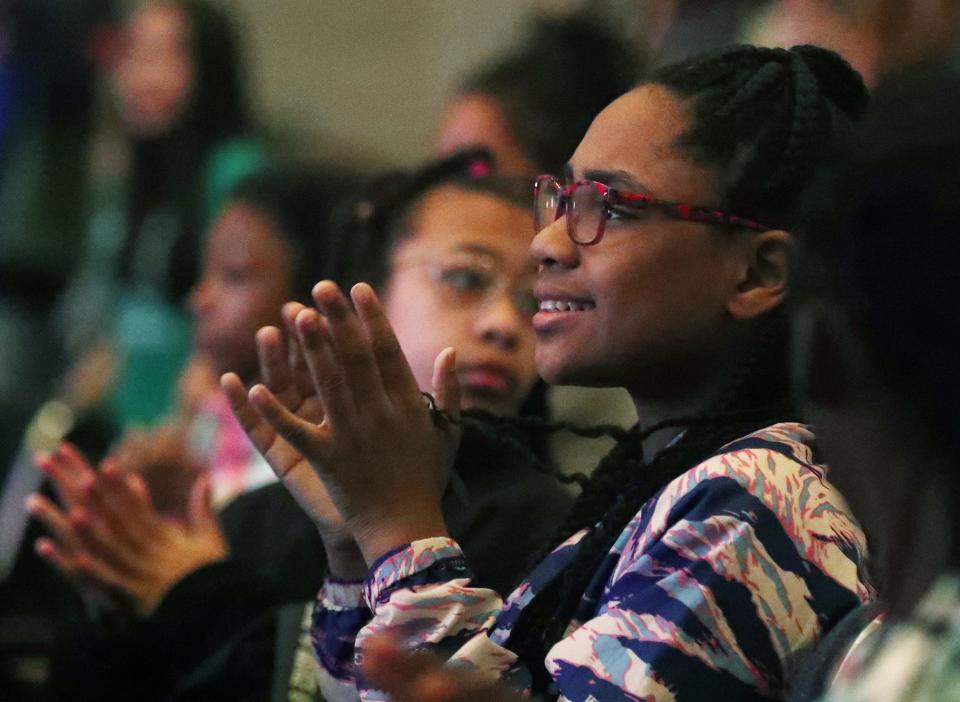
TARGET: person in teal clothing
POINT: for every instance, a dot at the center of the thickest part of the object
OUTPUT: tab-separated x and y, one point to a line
183	118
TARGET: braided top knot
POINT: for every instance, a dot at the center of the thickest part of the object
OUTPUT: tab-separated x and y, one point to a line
764	118
839	82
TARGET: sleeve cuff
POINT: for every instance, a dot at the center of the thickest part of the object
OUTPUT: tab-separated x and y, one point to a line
338	595
414	559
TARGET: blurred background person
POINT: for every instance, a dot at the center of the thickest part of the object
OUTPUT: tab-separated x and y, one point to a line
876	369
468	283
181	138
531	106
878	37
47	52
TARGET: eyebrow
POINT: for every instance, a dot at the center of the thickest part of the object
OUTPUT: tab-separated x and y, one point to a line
617	178
479	249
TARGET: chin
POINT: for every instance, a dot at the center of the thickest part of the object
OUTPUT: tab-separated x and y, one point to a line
558	369
579	373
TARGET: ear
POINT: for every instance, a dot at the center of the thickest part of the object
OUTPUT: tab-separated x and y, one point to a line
763	274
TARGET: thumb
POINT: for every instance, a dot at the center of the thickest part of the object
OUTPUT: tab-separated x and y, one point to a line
446	385
421	677
297	432
393	669
200	510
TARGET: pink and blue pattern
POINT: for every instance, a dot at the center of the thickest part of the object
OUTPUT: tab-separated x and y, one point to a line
714	590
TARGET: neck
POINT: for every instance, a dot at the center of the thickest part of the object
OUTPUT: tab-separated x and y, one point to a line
694	402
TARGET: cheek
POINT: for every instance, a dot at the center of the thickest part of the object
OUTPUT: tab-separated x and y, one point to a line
420	328
655	310
179	81
252	308
672	286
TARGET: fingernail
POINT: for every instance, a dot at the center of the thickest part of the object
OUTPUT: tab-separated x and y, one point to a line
307	321
42	546
327	295
362	294
258	389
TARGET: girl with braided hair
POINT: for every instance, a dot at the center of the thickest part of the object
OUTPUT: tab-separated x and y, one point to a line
708	552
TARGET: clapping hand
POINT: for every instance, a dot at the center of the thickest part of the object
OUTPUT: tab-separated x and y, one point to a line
420	677
286	375
361	422
109	538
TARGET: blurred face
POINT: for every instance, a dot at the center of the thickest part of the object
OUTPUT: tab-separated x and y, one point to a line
463	279
476	120
644	308
155	72
246	277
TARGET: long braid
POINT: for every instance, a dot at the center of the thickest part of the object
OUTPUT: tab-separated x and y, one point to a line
762	118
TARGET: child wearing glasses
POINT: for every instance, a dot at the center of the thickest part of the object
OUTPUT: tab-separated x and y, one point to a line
708	551
451	245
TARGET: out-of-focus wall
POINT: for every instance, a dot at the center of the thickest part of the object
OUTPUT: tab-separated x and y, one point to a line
366	79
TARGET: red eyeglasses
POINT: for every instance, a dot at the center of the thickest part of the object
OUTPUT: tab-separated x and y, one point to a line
589	204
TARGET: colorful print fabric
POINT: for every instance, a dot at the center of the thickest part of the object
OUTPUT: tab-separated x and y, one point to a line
713	590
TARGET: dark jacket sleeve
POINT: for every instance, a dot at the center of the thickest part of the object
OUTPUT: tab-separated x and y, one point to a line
502	511
211	639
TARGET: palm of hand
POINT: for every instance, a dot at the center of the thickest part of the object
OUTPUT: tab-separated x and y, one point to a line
287	377
109	538
300	478
351	407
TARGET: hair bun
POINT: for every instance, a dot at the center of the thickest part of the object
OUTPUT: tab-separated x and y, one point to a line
839	82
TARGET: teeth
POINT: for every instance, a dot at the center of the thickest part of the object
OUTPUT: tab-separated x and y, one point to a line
564	306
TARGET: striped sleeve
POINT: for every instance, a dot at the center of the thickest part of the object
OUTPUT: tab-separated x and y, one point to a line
714	590
338	615
731	573
423	594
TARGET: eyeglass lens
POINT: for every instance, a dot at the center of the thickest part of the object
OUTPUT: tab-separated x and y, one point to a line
583	207
471	280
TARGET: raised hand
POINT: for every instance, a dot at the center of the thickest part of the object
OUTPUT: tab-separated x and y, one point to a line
69	471
287	377
72	476
417	677
113	536
376	447
162	457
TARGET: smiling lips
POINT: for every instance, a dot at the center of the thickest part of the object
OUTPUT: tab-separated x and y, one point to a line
566	305
558	310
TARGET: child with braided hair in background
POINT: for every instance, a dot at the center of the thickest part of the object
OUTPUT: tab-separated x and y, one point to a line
708	551
203	617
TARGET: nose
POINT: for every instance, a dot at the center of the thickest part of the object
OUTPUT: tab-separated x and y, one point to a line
552	247
200	298
500	323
